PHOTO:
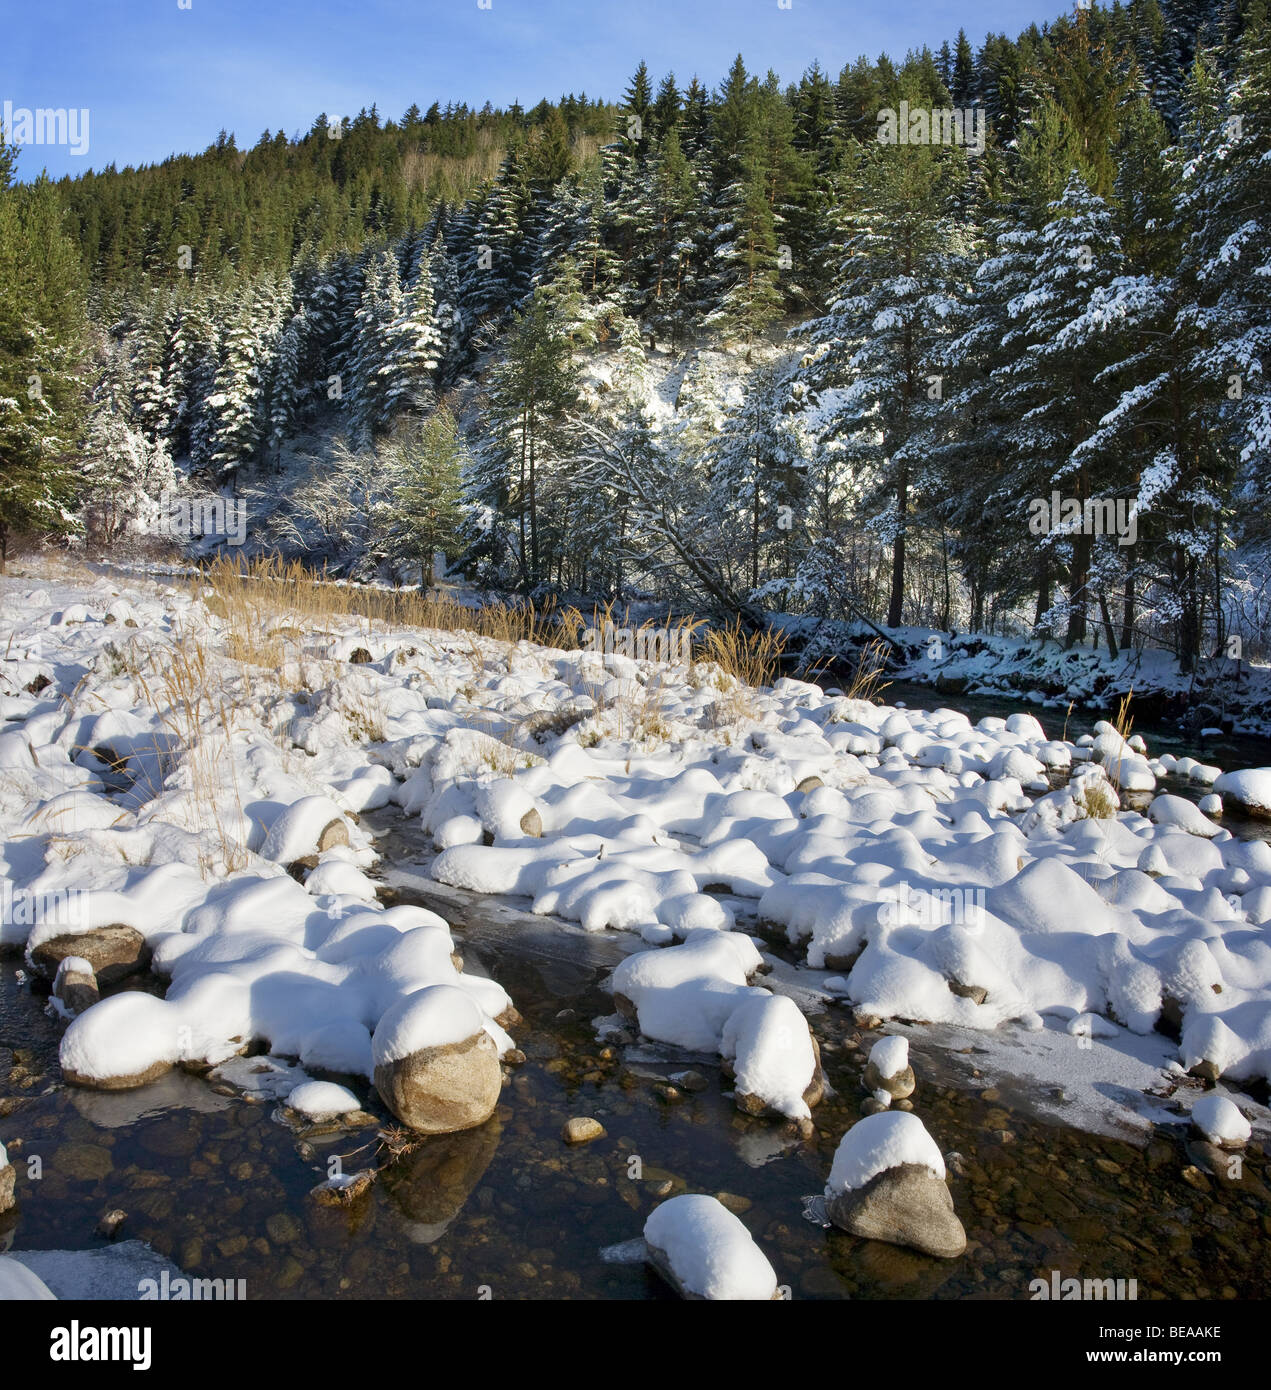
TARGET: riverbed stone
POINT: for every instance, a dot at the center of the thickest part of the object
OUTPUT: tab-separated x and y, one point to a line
582	1129
440	1090
8	1187
83	1162
899	1087
113	952
906	1205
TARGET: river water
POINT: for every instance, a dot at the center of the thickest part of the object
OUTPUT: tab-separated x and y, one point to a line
220	1185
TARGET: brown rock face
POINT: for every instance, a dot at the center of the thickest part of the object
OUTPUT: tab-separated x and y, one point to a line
440	1090
907	1205
117	1083
113	952
77	990
333	834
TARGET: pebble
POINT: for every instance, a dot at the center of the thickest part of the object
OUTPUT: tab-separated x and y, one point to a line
582	1129
282	1228
1193	1177
737	1205
111	1222
690	1080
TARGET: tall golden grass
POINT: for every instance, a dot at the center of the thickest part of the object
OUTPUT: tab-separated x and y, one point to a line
269	603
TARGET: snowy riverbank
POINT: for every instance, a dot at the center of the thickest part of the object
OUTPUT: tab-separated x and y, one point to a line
184	783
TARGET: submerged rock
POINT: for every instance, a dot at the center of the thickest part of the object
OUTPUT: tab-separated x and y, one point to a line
582	1129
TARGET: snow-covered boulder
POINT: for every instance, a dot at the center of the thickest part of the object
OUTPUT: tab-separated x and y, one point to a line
436	1065
19	1284
686	994
75	985
1182	814
888	1183
888	1070
112	953
323	1100
307	827
125	1041
1250	789
1218	1119
704	1252
775	1059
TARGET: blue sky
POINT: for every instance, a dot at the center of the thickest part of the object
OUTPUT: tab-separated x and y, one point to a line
157	78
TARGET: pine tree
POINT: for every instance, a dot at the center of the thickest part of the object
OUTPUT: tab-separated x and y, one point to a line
879	346
1056	384
235	406
285	386
412	350
532	390
42	336
426	464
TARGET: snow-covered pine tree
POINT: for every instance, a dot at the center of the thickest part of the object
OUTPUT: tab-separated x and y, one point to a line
365	391
1057	382
426	461
875	373
286	389
233	409
412	349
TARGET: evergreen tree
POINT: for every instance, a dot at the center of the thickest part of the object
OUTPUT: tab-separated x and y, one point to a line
42	335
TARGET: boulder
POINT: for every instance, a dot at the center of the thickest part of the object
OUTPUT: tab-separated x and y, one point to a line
76	985
908	1205
8	1182
705	1253
112	953
436	1067
888	1183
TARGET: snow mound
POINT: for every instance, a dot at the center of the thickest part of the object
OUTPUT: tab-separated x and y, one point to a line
877	1143
709	1251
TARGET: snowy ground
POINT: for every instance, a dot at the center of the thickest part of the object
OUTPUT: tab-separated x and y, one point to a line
153	778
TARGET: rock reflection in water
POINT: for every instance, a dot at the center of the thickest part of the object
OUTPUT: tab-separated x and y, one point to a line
430	1184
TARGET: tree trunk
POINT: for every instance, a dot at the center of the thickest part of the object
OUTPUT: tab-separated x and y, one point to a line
896	606
1127	612
1079	577
1107	624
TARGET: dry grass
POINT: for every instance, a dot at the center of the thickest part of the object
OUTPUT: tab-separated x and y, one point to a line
867	681
753	658
190	700
254	599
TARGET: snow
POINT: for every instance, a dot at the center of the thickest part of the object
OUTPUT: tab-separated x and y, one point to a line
19	1282
921	872
768	1040
1250	787
116	1273
877	1143
323	1100
1218	1119
436	1016
890	1056
710	1250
